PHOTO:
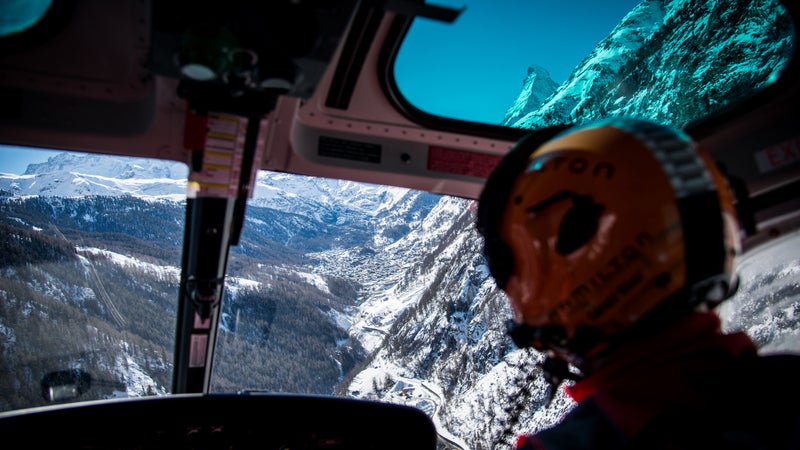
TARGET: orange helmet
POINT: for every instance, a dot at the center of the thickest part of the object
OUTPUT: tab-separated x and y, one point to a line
589	229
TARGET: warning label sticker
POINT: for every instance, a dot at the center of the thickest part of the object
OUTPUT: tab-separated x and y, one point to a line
349	150
198	344
222	156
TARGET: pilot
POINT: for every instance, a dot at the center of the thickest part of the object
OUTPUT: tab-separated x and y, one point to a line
614	241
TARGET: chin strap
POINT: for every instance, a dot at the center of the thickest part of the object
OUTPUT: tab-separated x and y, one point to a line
556	371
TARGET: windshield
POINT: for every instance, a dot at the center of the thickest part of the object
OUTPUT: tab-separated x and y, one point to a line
337	288
91	250
358	290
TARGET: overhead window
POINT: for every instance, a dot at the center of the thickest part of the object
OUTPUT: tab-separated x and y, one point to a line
530	64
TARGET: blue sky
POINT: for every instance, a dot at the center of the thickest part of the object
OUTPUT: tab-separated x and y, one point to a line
15	159
474	68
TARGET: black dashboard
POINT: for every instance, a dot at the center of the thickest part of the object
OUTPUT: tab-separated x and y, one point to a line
196	421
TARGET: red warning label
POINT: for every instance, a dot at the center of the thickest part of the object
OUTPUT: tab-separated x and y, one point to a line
461	162
778	156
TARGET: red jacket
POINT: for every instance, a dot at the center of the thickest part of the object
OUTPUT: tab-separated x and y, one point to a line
690	386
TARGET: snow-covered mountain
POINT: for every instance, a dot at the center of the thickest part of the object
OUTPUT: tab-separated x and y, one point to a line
83	174
78	174
537	87
657	65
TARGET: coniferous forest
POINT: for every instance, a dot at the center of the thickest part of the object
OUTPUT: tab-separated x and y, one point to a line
104	272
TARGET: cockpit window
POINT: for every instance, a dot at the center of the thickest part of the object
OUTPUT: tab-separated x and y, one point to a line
90	249
531	64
